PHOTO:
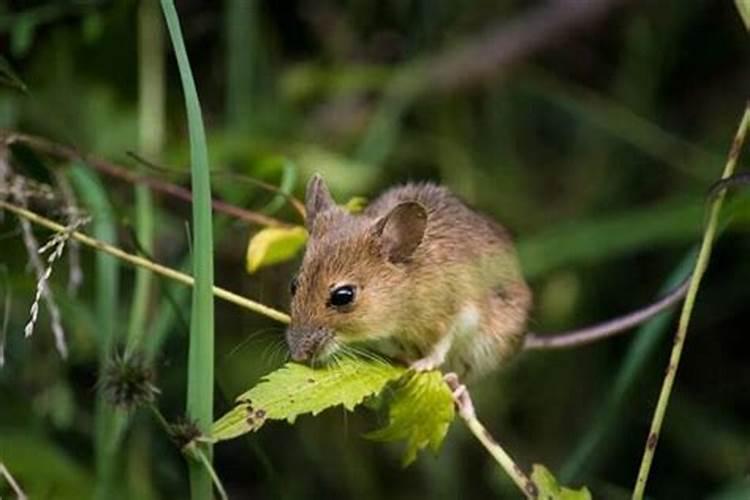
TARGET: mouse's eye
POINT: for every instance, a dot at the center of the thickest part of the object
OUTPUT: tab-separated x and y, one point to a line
342	296
293	286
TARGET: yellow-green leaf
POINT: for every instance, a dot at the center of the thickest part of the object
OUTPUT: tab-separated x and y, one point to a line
550	489
421	410
355	205
273	245
744	7
297	389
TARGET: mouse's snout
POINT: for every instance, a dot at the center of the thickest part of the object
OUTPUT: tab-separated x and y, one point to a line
306	342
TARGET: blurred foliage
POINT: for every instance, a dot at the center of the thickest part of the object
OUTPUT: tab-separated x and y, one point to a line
596	152
273	245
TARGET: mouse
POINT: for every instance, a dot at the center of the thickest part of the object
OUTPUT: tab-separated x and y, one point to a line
420	277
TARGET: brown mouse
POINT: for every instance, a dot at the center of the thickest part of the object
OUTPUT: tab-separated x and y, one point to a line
422	278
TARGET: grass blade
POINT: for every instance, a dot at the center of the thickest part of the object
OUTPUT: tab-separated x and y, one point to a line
200	391
151	138
95	200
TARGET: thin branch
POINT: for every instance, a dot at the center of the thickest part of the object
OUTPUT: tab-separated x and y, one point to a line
4	472
679	341
513	41
467	413
70	153
135	260
298	206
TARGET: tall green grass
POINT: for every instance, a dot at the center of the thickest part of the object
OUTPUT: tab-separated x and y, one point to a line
107	272
151	126
200	391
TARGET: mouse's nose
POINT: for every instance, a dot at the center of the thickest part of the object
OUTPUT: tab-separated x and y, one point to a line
305	342
299	351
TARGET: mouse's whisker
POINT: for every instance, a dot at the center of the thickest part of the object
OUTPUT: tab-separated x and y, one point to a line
265	353
339	360
361	352
249	340
274	351
282	351
345	352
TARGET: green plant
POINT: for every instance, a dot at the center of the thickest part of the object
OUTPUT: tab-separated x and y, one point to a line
200	397
598	167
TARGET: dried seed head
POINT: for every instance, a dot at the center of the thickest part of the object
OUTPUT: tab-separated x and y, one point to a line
128	382
184	431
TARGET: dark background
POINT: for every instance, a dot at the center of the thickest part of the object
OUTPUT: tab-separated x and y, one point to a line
591	129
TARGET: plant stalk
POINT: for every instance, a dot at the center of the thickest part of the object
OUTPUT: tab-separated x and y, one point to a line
151	140
704	256
137	260
200	377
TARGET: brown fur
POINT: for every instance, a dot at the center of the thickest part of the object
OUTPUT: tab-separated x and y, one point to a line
452	277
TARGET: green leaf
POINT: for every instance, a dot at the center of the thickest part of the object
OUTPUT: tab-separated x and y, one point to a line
273	245
297	389
200	383
420	412
355	204
744	7
550	489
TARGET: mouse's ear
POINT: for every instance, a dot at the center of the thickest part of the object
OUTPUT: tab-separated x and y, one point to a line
317	199
401	230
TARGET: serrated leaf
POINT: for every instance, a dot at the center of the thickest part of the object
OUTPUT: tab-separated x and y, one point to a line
273	245
296	389
355	204
550	489
744	7
421	410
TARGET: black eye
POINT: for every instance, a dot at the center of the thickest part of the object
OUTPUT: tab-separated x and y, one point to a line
342	296
293	286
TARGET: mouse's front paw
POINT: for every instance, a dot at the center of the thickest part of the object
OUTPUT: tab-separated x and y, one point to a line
424	365
435	358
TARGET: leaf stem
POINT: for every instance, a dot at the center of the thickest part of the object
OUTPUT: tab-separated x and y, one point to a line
136	260
679	341
200	372
501	456
469	416
12	482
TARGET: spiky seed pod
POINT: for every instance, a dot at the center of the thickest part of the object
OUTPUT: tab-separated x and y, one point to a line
128	382
184	431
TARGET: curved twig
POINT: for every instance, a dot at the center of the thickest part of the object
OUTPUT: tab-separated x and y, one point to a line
113	170
465	406
136	260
